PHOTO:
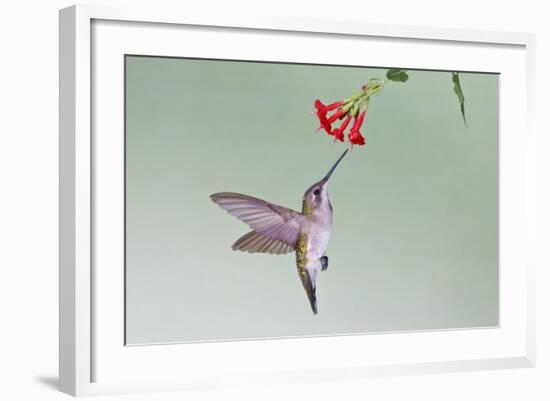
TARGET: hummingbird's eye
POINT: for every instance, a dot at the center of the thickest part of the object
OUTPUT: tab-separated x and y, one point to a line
316	192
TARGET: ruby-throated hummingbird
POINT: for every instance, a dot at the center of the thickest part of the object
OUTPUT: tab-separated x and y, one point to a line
279	230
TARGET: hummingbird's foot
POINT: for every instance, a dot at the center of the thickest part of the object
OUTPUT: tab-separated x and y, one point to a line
324	263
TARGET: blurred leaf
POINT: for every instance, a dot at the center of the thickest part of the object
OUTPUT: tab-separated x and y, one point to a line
397	75
458	90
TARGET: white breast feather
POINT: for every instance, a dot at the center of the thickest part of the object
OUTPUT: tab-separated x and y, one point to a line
317	245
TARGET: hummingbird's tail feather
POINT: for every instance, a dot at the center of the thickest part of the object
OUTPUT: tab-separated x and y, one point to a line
308	282
313	301
253	242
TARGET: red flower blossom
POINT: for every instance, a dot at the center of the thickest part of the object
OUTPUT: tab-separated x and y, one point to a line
354	136
322	110
353	107
324	124
325	108
340	113
339	132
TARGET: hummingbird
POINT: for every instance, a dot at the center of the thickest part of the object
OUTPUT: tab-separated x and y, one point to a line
279	230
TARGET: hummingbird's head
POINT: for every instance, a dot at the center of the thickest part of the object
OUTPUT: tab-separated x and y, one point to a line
317	194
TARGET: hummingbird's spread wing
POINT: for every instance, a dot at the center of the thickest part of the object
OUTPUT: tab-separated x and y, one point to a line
266	219
257	243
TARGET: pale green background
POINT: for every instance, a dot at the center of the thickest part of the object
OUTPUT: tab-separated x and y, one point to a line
415	241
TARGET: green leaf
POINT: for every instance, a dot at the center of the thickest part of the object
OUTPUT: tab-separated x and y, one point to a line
458	90
397	75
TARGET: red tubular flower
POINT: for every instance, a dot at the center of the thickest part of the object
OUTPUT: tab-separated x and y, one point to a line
339	132
336	116
324	123
319	105
354	136
326	108
322	116
322	110
343	110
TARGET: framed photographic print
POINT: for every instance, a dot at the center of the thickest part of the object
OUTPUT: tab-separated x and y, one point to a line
254	201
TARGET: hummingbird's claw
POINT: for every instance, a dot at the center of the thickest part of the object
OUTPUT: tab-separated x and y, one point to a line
324	263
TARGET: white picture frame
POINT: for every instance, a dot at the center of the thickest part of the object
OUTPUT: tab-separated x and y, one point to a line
93	358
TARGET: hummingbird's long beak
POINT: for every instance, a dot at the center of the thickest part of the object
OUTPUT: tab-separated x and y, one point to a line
326	177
